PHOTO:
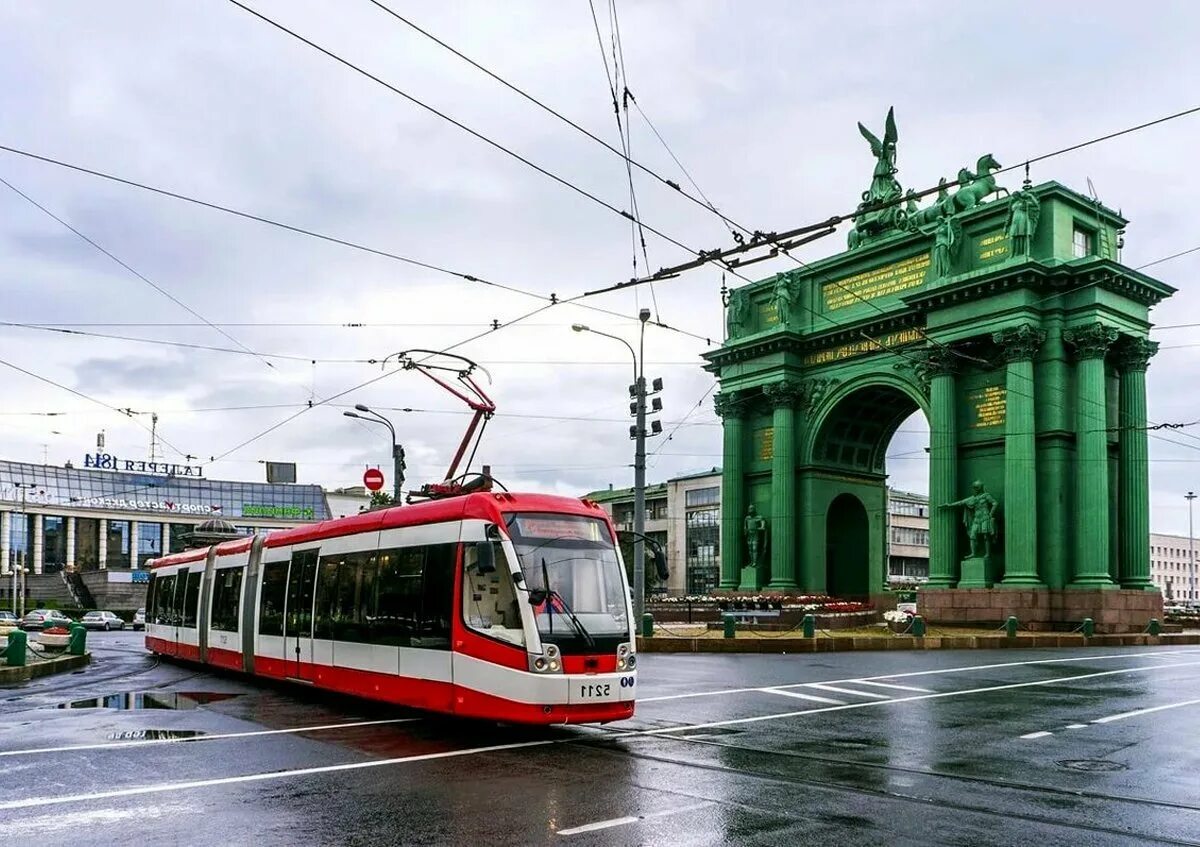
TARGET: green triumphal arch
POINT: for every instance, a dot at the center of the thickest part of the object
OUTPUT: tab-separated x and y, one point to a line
1008	319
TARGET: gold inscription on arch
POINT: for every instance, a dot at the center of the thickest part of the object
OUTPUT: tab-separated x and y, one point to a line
861	348
764	443
879	282
990	405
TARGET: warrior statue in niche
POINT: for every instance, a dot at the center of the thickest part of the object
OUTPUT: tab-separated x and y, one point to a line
979	517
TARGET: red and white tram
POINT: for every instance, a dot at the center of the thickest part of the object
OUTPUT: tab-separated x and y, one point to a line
511	607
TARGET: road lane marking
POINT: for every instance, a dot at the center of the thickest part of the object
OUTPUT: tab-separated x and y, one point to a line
1137	712
32	802
896	687
909	674
1031	735
193	739
609	824
915	698
1077	726
800	696
822	687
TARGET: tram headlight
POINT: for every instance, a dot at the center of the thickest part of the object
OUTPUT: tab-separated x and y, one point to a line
548	662
626	658
540	663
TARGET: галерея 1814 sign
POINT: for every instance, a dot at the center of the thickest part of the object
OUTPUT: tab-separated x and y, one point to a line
109	462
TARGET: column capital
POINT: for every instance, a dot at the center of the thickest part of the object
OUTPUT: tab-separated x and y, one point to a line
1091	341
785	394
730	404
1019	343
1134	354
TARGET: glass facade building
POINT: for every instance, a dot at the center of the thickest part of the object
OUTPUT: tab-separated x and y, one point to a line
95	518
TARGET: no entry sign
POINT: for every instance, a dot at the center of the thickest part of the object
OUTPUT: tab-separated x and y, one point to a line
373	479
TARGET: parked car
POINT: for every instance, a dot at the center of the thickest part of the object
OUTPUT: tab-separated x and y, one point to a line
9	619
102	620
45	619
139	620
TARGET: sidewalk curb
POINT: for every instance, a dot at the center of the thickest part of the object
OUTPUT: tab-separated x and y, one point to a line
957	642
25	673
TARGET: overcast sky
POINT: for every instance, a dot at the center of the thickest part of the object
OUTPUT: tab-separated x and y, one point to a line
758	100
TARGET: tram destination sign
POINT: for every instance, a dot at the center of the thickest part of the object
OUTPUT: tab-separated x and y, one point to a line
110	462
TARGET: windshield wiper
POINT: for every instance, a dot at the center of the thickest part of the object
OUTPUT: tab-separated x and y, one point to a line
546	594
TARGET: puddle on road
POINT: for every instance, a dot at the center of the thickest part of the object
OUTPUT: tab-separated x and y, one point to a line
155	735
138	700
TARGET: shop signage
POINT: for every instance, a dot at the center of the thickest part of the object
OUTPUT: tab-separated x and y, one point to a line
120	503
257	510
109	462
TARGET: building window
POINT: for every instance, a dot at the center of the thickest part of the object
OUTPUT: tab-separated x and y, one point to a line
87	544
623	514
20	535
702	496
1083	242
656	510
149	542
910	535
54	543
178	531
118	544
703	542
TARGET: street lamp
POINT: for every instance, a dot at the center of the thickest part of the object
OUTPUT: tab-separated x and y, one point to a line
371	416
1191	496
638	433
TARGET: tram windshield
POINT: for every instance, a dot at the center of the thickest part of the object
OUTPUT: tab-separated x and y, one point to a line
574	578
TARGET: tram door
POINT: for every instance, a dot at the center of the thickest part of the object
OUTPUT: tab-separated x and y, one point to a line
298	647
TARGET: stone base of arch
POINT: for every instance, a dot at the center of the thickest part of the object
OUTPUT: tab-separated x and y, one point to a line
1047	609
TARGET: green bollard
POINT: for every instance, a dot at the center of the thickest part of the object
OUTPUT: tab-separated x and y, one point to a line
1089	627
647	625
730	626
918	626
810	626
14	653
1010	626
77	643
1154	627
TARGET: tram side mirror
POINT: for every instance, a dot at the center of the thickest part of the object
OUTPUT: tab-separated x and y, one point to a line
485	557
660	564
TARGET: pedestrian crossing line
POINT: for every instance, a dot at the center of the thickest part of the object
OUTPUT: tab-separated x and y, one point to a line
890	685
814	698
837	690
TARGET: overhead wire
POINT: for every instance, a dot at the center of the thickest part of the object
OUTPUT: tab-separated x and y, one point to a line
332	239
132	270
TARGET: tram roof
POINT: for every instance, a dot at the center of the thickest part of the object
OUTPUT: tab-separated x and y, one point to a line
490	506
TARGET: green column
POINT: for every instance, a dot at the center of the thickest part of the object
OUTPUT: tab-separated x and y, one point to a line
1019	345
1133	357
1091	456
784	396
943	468
731	408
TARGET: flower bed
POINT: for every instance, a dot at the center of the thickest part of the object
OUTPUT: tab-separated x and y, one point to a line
765	609
54	638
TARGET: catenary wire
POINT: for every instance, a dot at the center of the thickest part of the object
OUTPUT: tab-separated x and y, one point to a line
133	271
332	239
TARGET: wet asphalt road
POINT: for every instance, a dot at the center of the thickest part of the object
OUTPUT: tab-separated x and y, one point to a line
964	748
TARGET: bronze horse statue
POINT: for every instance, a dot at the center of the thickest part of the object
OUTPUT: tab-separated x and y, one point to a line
973	187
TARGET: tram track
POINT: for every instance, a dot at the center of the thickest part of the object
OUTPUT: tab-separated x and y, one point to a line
610	745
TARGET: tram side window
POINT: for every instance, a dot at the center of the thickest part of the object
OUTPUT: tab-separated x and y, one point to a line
151	597
398	603
191	598
164	596
227	595
489	600
274	588
437	598
345	597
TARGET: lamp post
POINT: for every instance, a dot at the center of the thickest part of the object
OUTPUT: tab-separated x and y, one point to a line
372	416
638	390
1191	589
